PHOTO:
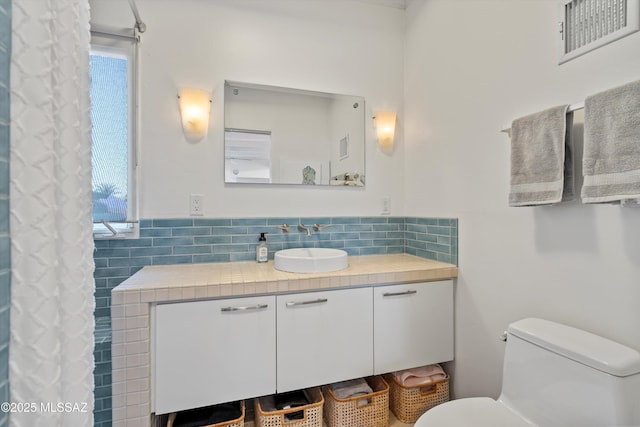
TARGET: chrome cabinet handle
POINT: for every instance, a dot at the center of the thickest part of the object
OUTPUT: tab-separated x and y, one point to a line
313	301
395	294
245	308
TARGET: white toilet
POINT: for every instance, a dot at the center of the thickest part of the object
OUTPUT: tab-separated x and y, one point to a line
554	375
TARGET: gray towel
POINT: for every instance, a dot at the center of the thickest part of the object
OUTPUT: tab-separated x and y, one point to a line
611	162
542	158
351	388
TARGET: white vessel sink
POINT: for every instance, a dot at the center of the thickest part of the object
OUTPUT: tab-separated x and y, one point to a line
311	260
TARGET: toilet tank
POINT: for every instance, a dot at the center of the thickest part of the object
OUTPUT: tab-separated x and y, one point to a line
556	375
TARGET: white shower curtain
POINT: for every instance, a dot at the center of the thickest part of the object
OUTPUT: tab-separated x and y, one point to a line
51	347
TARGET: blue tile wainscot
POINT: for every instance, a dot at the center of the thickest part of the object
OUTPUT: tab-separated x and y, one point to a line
200	240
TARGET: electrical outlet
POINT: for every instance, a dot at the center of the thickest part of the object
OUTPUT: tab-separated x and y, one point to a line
196	207
385	205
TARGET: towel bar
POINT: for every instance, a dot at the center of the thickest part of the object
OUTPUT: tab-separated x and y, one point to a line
572	108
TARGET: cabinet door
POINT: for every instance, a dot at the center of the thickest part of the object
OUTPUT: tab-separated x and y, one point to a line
413	325
208	352
324	337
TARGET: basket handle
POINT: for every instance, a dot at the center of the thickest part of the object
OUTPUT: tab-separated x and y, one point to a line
367	402
428	390
293	422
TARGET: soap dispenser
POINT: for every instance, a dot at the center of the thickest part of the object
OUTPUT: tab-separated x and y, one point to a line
262	252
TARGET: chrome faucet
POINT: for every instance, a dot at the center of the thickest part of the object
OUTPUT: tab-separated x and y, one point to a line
301	227
284	227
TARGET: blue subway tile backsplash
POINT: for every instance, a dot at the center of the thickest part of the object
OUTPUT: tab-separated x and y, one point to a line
200	240
197	240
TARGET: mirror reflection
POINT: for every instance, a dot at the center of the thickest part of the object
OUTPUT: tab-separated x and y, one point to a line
276	135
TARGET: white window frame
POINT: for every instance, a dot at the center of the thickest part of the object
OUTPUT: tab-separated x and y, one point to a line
119	46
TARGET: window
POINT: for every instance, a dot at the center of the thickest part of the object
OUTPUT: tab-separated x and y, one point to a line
113	138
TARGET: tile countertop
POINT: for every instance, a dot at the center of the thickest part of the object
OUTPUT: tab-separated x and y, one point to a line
213	280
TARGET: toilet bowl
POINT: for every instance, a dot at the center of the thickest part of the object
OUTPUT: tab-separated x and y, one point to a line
473	411
553	375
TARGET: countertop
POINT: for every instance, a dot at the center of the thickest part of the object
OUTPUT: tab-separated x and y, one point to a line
212	280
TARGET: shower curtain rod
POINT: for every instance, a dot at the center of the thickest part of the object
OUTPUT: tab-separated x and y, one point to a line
125	33
139	24
571	109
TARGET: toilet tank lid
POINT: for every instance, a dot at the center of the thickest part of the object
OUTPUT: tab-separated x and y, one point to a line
583	347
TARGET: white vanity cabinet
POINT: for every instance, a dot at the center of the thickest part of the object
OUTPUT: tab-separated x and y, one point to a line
324	337
413	325
214	351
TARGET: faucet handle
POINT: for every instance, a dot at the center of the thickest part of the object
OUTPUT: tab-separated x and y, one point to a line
301	227
318	227
285	227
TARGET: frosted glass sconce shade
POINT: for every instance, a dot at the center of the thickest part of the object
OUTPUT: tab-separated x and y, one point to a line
195	106
385	129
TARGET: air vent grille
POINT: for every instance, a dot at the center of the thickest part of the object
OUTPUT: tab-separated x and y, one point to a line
589	24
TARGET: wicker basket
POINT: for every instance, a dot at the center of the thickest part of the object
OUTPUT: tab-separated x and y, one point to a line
352	412
408	403
312	416
238	422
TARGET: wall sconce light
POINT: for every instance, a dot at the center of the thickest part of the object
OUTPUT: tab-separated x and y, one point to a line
195	107
385	122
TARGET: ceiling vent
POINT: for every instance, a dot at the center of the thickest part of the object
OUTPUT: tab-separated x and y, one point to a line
588	24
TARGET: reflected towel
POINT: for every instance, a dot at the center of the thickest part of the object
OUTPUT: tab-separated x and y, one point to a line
420	376
611	161
542	158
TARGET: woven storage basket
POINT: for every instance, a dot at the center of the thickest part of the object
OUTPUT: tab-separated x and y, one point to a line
312	416
408	403
353	412
238	422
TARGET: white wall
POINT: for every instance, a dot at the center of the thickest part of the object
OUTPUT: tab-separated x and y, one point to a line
471	67
333	46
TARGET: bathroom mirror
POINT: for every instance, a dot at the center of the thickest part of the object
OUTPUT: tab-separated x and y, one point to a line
277	135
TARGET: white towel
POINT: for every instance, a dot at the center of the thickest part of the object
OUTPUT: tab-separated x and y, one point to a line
611	161
542	158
